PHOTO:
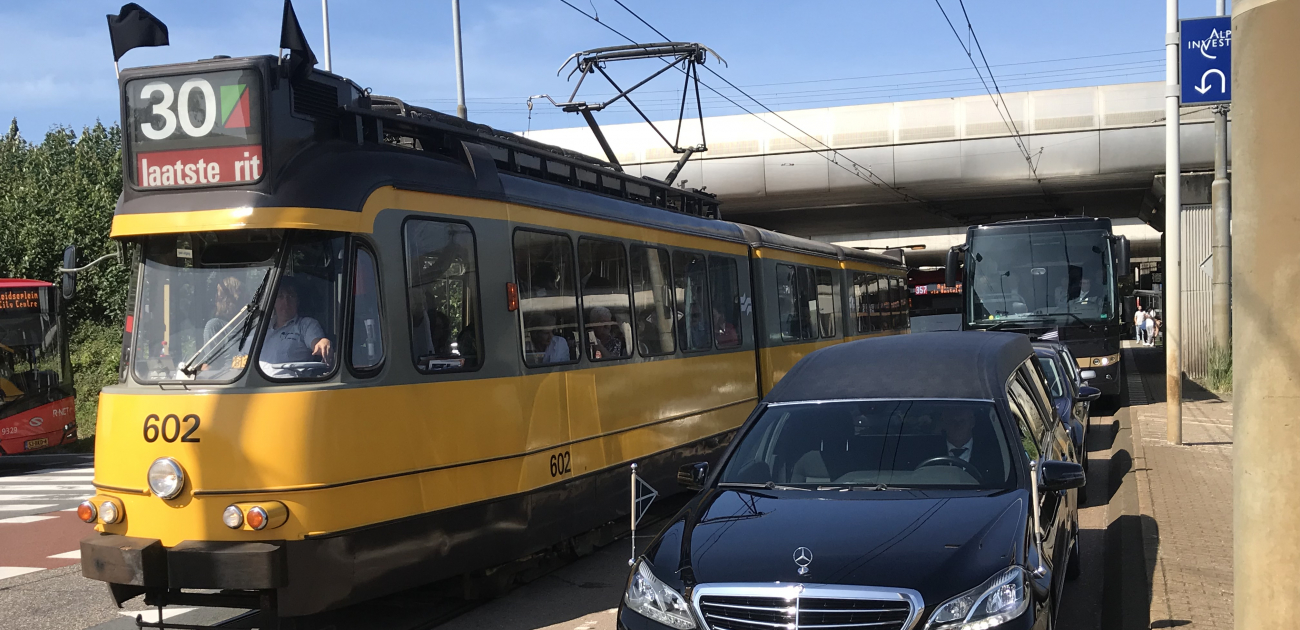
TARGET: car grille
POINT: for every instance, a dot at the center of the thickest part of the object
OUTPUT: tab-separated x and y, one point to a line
739	612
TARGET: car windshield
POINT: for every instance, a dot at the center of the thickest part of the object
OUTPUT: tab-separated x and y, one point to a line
32	370
1054	384
953	444
200	300
1044	276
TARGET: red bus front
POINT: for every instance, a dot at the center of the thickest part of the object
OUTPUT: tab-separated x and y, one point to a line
37	403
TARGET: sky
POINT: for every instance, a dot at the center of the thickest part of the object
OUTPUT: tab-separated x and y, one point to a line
58	65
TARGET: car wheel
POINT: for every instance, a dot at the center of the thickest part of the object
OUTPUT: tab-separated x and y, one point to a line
1074	569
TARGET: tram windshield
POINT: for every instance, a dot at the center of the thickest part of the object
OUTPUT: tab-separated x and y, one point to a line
200	301
1042	276
953	444
32	369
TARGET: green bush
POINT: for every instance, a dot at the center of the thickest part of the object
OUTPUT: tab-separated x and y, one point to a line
96	350
1219	379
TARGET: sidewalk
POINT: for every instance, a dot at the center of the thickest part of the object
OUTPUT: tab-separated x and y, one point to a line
1185	498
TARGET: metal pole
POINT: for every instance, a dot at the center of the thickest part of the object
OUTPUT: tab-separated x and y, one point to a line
460	63
1265	337
1221	244
1173	234
325	22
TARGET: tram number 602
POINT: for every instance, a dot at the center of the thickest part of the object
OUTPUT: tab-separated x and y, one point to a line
169	428
560	464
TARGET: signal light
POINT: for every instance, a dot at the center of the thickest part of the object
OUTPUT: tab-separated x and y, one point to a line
109	513
233	517
86	511
257	517
512	297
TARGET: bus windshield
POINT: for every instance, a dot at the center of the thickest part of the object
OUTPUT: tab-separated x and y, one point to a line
200	299
1043	275
32	369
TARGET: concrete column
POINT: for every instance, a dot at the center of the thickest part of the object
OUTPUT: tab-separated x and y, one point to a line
1266	337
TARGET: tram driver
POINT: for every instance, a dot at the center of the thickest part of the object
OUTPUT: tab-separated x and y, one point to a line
292	338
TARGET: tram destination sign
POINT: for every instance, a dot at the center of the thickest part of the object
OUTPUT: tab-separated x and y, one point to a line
1205	60
196	129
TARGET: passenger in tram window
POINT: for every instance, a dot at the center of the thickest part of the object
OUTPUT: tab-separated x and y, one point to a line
294	338
723	331
606	335
227	304
548	347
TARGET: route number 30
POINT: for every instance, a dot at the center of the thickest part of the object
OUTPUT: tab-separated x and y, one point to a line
163	109
169	428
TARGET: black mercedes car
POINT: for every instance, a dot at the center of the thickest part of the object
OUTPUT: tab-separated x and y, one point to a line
887	484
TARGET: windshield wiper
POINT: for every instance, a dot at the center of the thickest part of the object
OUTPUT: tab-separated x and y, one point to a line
766	486
881	486
216	344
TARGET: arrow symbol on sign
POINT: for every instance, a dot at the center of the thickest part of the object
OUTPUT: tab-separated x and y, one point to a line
1223	82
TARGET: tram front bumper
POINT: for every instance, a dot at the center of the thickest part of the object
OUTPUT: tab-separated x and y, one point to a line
146	563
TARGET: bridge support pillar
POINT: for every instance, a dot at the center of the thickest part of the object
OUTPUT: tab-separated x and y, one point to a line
1266	338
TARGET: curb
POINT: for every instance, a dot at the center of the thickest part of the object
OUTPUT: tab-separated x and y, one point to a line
1125	588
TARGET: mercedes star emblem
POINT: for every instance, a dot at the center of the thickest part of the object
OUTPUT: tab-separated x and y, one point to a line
803	557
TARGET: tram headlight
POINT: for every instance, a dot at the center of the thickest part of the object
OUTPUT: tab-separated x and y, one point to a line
233	517
86	511
108	512
166	478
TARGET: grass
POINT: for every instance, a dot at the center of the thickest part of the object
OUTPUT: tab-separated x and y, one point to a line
1219	379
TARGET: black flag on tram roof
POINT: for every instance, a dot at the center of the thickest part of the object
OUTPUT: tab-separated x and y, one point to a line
301	58
133	27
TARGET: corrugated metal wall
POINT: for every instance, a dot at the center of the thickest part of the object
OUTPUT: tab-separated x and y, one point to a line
1198	329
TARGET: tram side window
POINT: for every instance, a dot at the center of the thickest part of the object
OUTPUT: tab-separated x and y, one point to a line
861	304
442	296
548	298
797	302
690	287
896	303
603	269
367	335
826	311
651	281
302	335
879	294
726	301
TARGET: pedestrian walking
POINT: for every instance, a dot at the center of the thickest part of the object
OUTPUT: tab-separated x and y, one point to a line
1139	325
1151	327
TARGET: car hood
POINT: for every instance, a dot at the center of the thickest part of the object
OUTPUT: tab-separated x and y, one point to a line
937	543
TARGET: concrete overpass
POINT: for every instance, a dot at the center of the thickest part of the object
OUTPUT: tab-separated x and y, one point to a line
1097	150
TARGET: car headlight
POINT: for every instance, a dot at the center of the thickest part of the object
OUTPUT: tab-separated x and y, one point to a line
656	600
166	478
996	601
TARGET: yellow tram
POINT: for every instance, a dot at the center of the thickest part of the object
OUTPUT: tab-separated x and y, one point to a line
372	346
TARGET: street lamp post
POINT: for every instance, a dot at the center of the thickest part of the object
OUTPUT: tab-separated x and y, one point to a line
461	111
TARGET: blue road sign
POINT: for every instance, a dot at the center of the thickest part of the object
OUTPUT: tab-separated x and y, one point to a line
1205	60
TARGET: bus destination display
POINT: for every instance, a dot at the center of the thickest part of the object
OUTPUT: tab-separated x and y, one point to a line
20	300
195	130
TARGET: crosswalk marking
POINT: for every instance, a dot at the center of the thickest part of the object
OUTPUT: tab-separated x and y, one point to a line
23	507
19	520
68	555
6	487
151	615
8	572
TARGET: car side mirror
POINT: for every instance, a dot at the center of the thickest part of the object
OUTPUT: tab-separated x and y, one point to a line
1059	476
1089	393
69	277
1087	375
691	476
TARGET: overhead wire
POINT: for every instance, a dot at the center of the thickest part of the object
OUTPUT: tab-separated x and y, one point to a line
871	177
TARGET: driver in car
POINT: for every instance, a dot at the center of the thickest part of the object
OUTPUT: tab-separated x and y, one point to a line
293	338
958	428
